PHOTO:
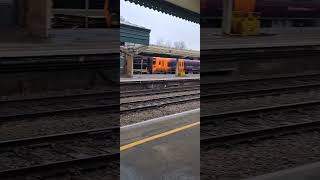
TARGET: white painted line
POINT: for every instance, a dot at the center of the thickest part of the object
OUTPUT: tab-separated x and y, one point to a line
160	119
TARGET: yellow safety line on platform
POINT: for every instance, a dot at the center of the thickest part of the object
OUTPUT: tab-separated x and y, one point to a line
142	141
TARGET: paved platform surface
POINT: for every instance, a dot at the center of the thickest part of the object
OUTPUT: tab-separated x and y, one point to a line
175	156
158	77
306	172
63	42
212	39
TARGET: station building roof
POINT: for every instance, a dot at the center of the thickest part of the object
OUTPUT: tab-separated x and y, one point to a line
132	33
187	9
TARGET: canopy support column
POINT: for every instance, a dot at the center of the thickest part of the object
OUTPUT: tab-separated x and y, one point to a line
38	17
129	65
227	16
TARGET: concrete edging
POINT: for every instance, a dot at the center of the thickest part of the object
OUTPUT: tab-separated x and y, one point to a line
160	119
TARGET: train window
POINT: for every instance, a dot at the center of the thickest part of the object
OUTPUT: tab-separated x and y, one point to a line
172	63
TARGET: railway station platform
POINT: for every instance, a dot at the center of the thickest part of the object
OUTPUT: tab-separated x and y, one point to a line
212	39
158	77
62	42
162	148
306	172
274	52
70	59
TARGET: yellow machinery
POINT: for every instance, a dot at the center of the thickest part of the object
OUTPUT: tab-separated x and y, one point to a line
180	68
245	20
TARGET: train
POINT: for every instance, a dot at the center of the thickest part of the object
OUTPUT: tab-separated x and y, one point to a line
162	65
303	12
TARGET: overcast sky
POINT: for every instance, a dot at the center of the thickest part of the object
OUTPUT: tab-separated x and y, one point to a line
162	25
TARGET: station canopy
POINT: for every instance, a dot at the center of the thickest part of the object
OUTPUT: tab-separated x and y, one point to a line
186	9
154	50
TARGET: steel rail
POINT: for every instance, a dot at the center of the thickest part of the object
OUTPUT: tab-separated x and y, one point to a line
59	167
258	92
11	144
147	92
231	114
112	108
56	137
151	103
261	133
253	80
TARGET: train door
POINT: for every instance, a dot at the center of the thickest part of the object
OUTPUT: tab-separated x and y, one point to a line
149	65
181	65
180	69
7	13
172	64
156	66
187	66
165	65
161	66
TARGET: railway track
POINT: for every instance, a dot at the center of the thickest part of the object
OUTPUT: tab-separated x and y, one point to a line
57	151
103	93
101	167
259	87
157	84
157	102
17	108
252	123
257	152
148	92
257	141
263	133
45	106
61	97
74	153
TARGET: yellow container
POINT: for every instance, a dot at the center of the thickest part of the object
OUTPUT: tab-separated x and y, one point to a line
245	24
